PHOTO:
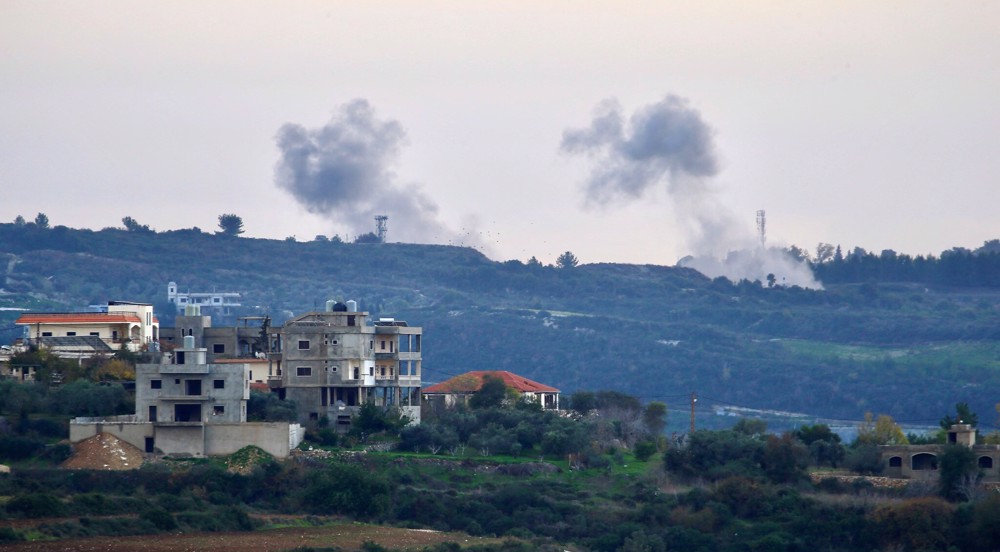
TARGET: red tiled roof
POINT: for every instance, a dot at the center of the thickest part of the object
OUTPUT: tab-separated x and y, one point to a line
470	382
77	318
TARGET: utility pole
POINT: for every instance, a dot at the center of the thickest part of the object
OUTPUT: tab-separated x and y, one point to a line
694	399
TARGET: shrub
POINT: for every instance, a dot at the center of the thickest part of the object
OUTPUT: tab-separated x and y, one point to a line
644	450
159	518
36	505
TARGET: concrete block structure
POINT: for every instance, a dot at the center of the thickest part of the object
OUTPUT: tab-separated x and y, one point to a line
188	406
332	362
250	338
921	461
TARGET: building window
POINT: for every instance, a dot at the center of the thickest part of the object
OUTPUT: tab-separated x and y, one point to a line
304	371
303	344
219	348
219	384
218	410
95	334
371	344
333	369
70	334
46	334
156	384
381	344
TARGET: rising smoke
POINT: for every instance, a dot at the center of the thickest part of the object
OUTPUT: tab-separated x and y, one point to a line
668	144
344	171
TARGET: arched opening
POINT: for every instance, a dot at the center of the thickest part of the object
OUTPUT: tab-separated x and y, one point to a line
923	461
895	462
985	463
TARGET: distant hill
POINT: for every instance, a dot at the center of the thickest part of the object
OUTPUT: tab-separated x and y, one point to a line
906	346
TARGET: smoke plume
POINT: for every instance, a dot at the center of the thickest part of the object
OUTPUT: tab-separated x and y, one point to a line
344	171
668	144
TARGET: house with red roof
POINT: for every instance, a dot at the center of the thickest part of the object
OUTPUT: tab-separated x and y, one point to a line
77	333
460	388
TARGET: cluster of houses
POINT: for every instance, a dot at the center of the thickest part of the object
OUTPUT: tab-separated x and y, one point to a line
191	397
192	394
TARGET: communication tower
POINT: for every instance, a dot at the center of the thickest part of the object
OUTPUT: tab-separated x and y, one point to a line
380	227
761	227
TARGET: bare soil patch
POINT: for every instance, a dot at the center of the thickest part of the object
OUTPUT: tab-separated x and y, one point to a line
349	536
104	452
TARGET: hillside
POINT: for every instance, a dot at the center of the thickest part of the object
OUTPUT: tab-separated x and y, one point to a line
908	349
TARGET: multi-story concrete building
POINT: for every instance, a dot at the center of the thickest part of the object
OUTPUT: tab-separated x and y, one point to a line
186	388
186	405
332	362
250	338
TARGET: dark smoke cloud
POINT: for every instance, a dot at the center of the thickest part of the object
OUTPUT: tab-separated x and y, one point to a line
668	144
665	141
343	170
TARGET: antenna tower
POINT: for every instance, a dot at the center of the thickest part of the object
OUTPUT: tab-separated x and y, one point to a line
761	227
380	227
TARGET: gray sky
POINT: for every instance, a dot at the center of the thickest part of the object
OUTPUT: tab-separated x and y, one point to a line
860	123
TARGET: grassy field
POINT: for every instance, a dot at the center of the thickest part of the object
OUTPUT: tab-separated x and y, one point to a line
341	535
985	354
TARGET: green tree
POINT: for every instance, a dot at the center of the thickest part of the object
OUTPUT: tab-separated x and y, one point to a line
133	225
42	220
959	471
230	224
19	221
370	237
964	415
491	395
880	431
655	417
567	260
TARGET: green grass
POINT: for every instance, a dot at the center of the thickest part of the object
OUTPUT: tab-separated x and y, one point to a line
982	354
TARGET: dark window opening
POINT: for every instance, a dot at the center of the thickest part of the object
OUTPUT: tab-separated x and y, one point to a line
187	413
70	334
985	463
303	371
219	384
152	413
149	444
350	319
46	334
192	387
218	410
924	461
156	384
303	344
180	357
895	462
219	348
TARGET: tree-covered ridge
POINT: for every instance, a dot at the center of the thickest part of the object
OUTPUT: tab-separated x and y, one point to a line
653	331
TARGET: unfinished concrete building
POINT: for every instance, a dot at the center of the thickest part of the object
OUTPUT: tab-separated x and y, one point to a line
186	405
332	362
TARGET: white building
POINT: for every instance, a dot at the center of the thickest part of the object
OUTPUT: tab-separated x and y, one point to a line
220	301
